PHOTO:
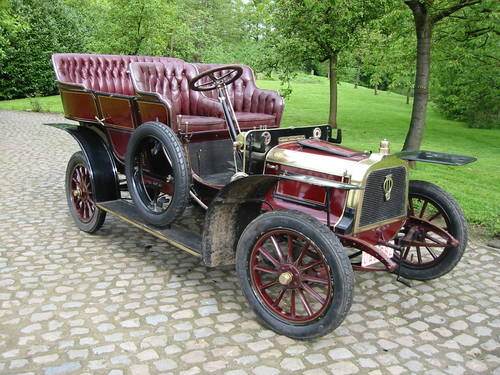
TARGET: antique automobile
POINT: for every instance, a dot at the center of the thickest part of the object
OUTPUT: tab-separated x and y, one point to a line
291	208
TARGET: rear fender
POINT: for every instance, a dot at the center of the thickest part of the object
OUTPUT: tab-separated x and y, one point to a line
104	172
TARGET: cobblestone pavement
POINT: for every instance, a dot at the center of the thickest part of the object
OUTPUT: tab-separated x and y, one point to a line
122	302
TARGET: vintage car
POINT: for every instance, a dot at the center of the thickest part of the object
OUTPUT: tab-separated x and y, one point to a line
291	208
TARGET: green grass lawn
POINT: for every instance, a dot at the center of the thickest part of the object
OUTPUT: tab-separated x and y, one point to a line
47	104
366	119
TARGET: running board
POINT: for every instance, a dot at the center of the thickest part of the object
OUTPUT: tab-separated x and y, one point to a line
175	236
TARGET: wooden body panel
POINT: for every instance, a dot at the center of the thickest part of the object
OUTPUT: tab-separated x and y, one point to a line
117	111
79	105
152	111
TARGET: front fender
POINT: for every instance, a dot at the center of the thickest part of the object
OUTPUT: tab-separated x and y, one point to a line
236	205
232	209
104	173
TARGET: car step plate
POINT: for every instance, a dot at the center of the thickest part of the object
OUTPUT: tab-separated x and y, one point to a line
174	235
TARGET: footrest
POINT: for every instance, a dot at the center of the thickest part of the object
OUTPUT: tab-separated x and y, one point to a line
174	235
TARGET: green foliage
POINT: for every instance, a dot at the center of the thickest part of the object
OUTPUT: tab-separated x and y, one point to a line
467	74
31	31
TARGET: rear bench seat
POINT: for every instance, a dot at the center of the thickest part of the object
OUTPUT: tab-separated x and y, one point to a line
104	73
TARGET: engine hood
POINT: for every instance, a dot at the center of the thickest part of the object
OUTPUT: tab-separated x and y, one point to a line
324	157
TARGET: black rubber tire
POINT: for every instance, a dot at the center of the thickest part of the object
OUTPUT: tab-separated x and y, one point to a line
333	252
98	216
457	228
180	170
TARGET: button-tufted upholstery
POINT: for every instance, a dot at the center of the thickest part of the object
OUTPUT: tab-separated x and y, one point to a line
253	106
169	81
106	73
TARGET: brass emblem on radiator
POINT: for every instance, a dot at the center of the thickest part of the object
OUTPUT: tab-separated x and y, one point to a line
388	184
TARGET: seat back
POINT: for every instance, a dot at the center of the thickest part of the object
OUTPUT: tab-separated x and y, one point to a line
240	91
106	73
170	80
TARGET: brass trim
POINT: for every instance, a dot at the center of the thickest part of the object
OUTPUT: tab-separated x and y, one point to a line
145	228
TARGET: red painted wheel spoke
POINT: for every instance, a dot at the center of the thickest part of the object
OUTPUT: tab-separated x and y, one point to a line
264	269
419	255
269	256
290	249
313	293
293	313
268	284
435	216
302	253
278	249
315	279
304	302
405	254
436	242
311	265
424	206
430	252
412	209
280	297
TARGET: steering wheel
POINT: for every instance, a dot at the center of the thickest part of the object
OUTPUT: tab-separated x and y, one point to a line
234	72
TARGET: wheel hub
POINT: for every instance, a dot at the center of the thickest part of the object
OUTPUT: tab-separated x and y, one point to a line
77	192
286	278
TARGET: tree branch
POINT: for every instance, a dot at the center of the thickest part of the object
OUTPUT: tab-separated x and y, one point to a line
443	13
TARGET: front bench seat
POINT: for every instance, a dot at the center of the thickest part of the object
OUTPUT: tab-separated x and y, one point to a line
253	107
189	111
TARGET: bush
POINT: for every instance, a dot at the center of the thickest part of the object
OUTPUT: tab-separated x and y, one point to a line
36	29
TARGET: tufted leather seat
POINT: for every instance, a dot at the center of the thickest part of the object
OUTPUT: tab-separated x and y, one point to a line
167	79
169	82
105	73
253	106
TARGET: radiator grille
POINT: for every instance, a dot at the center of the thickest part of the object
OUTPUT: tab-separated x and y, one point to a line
375	207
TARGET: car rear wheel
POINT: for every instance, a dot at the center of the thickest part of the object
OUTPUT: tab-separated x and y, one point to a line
157	173
80	194
295	274
430	255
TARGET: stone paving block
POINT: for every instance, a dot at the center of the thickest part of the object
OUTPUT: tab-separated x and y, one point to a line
123	302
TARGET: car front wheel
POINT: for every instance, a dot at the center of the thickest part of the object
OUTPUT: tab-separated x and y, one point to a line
295	274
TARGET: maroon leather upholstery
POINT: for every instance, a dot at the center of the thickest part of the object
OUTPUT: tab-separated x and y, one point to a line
168	78
106	73
253	106
169	81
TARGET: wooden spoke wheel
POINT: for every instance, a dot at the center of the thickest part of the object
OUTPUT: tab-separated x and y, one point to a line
435	235
295	274
80	194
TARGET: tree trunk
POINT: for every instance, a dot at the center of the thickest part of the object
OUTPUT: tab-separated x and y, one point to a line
375	92
423	29
332	72
356	79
